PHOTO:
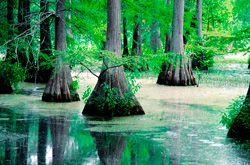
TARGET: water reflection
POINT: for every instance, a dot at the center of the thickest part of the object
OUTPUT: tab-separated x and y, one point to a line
73	139
59	128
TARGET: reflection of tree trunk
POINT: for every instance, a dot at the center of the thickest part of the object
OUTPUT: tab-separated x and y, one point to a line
175	145
8	154
59	127
42	140
134	153
22	127
110	147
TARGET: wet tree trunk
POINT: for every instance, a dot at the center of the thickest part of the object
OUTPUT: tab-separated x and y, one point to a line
240	127
155	41
5	87
24	52
58	88
125	38
43	74
114	77
178	73
163	74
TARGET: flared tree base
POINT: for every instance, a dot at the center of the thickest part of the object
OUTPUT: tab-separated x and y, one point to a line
178	75
60	98
123	102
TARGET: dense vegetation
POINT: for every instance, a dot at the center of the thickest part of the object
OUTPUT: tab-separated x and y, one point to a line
34	43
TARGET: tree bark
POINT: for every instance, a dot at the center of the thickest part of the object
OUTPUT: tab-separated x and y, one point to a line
25	57
125	38
155	41
43	74
199	18
178	73
114	77
240	127
136	47
58	88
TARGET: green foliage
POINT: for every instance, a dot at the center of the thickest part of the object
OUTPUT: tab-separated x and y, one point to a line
12	74
87	93
130	76
112	102
234	110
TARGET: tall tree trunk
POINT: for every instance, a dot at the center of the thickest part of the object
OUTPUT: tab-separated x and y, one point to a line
114	77
24	52
155	40
125	38
178	73
163	74
136	47
43	74
199	18
5	86
59	88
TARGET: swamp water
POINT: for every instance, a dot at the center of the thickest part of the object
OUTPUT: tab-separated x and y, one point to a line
181	126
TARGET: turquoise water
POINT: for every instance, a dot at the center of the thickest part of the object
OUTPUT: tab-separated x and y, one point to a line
35	132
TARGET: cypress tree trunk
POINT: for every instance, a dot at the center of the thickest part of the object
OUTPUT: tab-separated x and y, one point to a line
163	74
125	39
199	18
155	41
5	87
43	74
240	127
178	73
114	77
58	88
25	57
136	47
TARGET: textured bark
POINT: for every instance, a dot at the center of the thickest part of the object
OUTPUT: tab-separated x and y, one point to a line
43	74
155	41
240	127
110	147
199	18
136	47
58	88
114	77
125	38
178	73
25	57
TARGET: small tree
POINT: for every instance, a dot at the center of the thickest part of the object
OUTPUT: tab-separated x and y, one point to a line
112	95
